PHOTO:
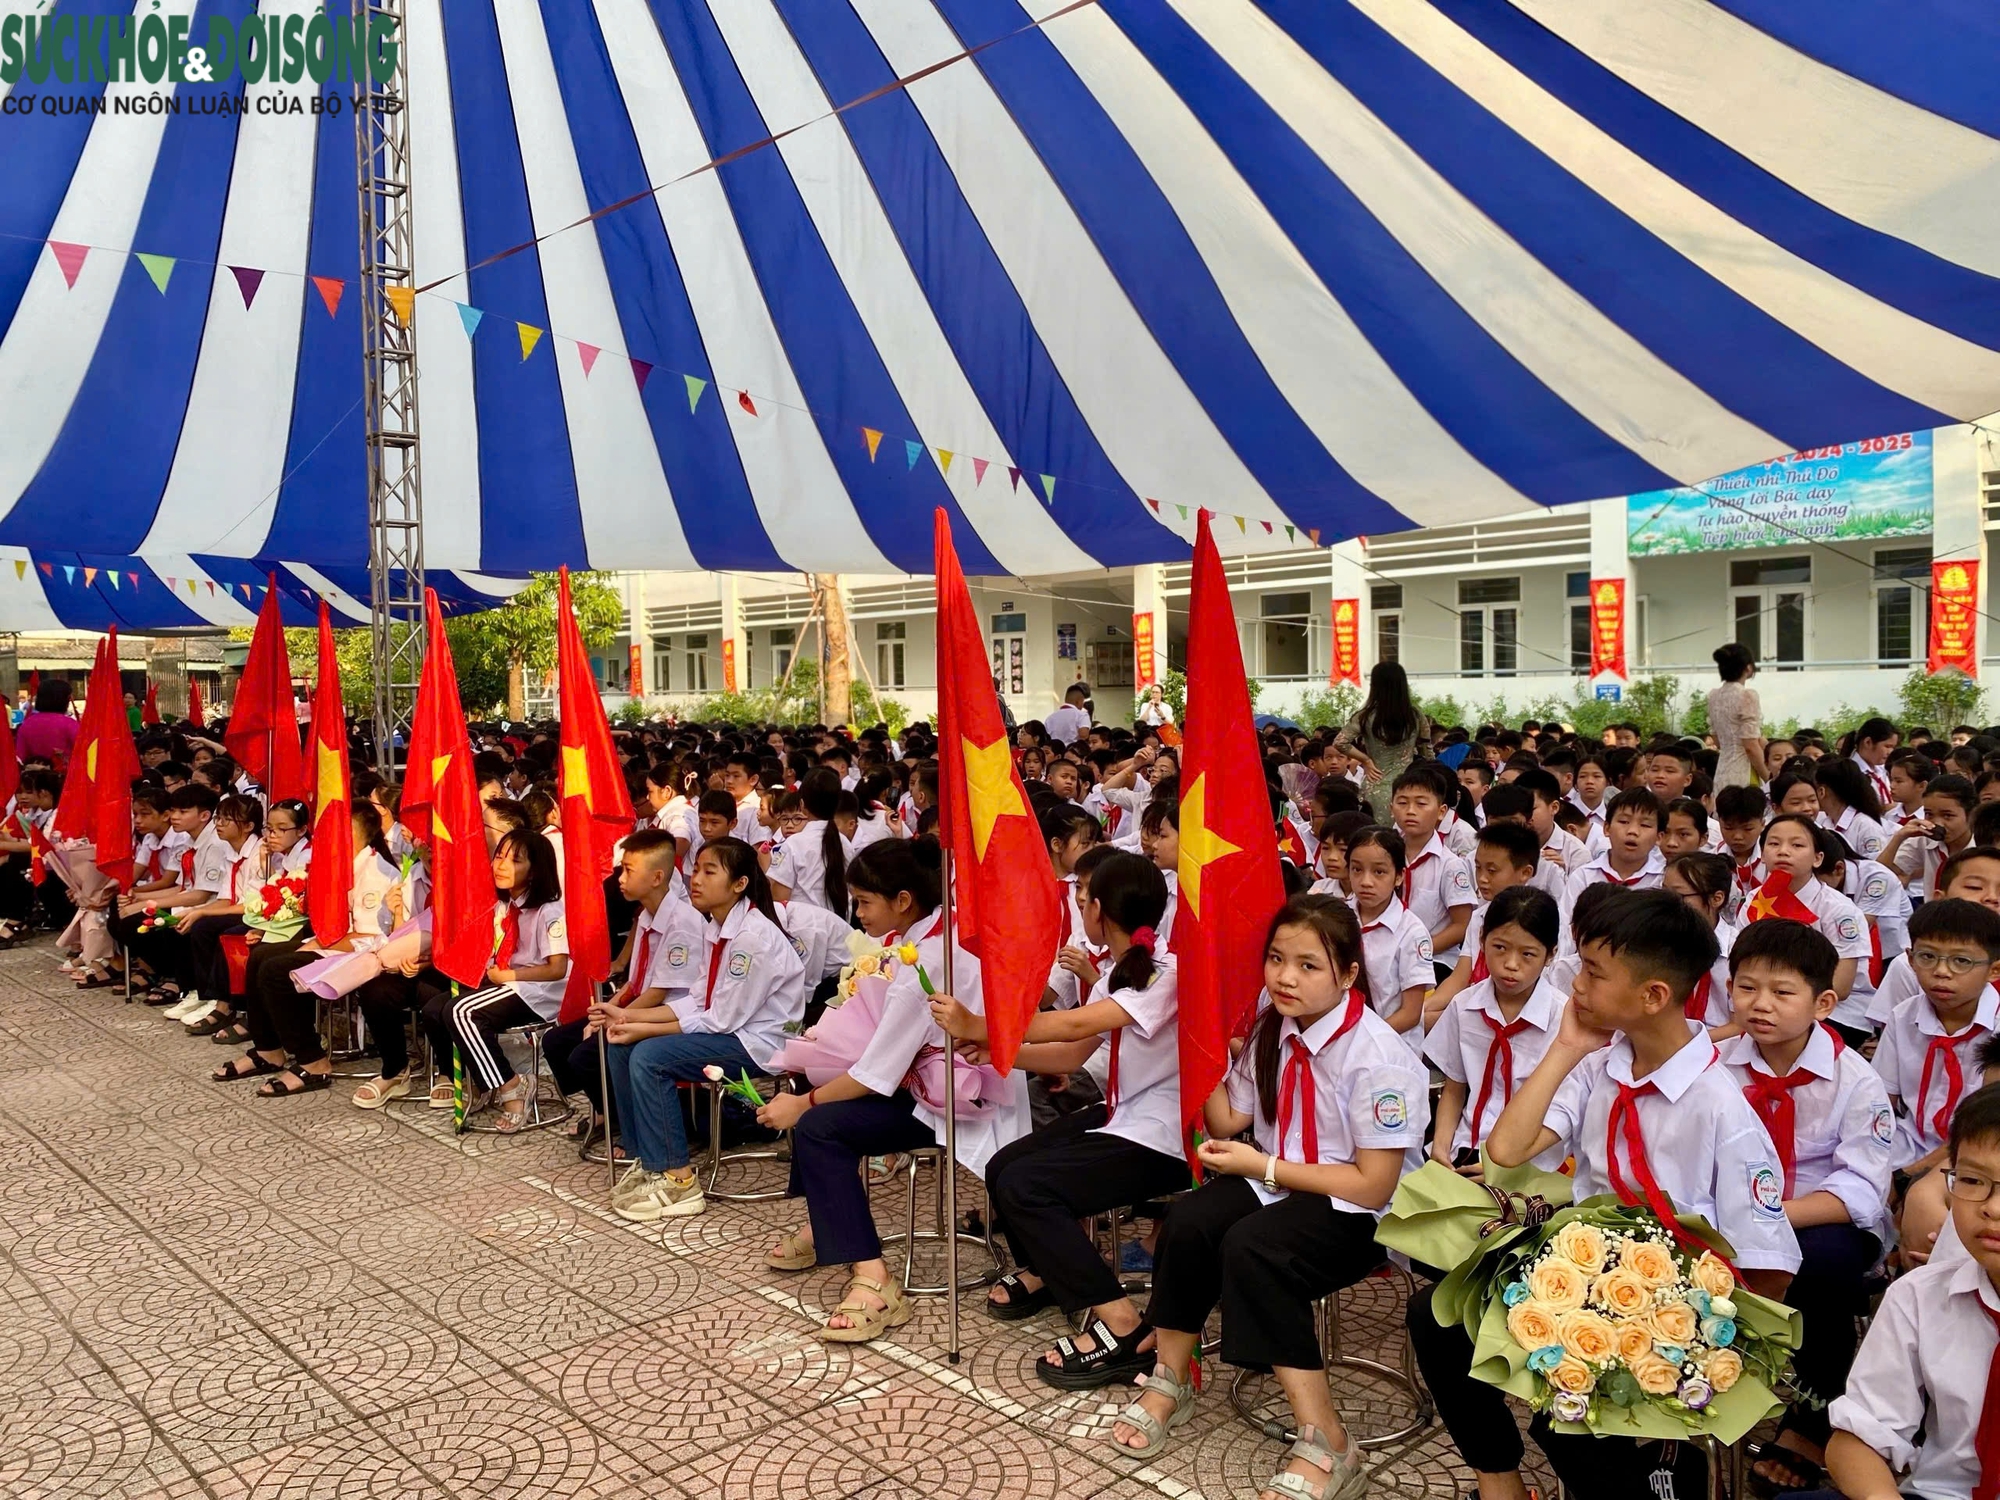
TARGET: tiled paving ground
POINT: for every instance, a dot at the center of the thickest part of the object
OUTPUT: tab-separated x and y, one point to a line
204	1294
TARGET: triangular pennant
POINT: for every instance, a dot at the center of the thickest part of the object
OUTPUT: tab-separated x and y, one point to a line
1291	533
874	441
330	288
530	336
912	451
211	586
135	579
1183	510
979	467
1267	527
470	317
695	386
404	300
194	588
944	459
113	576
69	574
173	584
587	354
1049	488
20	568
743	400
248	597
640	370
1014	477
159	267
1156	506
69	258
248	279
1315	537
1241	526
48	569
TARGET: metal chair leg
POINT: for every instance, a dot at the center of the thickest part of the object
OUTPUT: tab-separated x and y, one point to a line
911	1236
716	1158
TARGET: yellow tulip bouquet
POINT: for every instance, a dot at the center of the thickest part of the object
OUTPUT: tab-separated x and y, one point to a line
1595	1313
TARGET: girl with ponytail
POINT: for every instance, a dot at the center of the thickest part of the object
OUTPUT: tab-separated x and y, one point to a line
1122	1151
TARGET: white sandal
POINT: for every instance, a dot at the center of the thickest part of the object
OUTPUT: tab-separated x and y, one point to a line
1345	1478
1160	1383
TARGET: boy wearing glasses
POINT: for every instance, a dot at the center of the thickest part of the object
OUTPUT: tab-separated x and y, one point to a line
1928	1052
1829	1117
1924	1394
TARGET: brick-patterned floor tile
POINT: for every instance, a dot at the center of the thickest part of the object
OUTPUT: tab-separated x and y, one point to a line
81	1441
500	1440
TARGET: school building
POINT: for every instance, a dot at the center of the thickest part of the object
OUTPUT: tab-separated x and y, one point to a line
1822	563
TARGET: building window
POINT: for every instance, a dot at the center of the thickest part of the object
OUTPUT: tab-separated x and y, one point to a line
1489	626
1576	586
1579	637
1386	596
1902	604
697	664
1388	637
890	639
1285	618
663	664
784	646
1767	600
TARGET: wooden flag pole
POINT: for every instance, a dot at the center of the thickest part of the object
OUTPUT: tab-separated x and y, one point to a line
949	1166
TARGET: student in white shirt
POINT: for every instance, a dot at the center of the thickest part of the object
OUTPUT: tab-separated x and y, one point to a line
1924	1393
1591	792
1071	719
1492	1035
1337	1107
1874	742
1683	828
1910	771
1928	1051
1848	805
742	779
1395	946
1564	850
1437	884
1796	847
1830	1121
730	997
1507	856
1702	881
1631	856
1972	874
1921	846
1740	812
1127	1149
1624	1062
881	1104
811	866
1878	894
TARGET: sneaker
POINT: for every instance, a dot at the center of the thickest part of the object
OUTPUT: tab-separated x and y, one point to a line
661	1197
189	1004
201	1011
631	1182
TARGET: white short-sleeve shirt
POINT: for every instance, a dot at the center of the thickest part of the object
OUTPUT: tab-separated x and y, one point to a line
800	866
667	950
1143	1062
1396	952
542	934
1434	881
749	981
1464	1038
1907	1041
1863	834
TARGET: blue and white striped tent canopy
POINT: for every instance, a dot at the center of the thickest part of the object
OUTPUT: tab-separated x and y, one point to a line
1331	266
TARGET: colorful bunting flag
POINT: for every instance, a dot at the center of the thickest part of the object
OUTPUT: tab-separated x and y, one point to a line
640	370
69	258
979	467
113	576
135	579
695	386
248	279
330	288
89	577
1014	477
1291	533
1267	527
944	460
912	451
159	267
530	336
1183	510
874	440
20	568
1049	488
1315	537
404	300
1240	526
48	570
1156	506
470	317
743	400
587	353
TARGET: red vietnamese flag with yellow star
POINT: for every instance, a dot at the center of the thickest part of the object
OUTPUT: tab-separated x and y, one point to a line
150	713
441	804
330	876
1775	898
1230	886
197	715
263	733
596	808
97	790
1005	906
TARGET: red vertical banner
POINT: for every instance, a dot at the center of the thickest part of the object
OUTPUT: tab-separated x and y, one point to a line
636	671
1346	642
1142	650
1955	617
729	664
1607	627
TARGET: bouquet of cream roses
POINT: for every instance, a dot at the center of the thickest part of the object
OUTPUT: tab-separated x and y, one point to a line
1596	1314
870	961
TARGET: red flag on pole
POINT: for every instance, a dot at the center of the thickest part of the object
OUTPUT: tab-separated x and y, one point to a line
440	795
34	686
1230	886
10	764
150	714
97	791
330	876
263	733
76	809
596	808
1005	904
197	715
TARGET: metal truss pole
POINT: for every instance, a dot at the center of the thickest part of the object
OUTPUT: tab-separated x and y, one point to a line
389	354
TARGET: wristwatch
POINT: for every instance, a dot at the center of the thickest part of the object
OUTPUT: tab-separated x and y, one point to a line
1271	1170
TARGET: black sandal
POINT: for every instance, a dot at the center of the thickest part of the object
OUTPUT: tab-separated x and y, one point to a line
1813	1476
162	994
226	1032
1022	1302
1115	1360
309	1083
229	1072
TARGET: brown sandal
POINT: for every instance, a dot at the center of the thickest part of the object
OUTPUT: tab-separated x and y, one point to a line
868	1323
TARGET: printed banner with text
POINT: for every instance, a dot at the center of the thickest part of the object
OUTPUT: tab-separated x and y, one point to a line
1607	627
1142	651
1955	617
1346	642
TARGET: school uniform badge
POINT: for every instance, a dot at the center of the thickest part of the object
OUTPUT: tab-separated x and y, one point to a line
739	965
1390	1109
1847	929
1883	1126
677	956
1767	1191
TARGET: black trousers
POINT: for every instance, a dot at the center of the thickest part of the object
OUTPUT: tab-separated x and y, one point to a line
17	892
1267	1267
1827	1293
277	1014
573	1061
1043	1184
1482	1425
472	1021
828	1146
386	1003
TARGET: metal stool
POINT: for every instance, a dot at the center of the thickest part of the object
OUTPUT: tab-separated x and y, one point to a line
535	1116
348	1009
913	1160
1403	1379
715	1158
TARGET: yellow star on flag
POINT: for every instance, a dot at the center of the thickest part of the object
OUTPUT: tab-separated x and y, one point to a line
1201	846
439	765
990	789
330	790
90	761
576	775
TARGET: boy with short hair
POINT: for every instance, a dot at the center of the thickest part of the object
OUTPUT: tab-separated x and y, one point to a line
1508	854
1475	774
1588	793
743	778
1929	1048
1631	855
1670	772
1634	1096
1564	849
1924	1394
1437	884
1830	1119
1740	814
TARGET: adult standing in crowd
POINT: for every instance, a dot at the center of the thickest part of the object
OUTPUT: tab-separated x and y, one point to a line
1155	712
1736	719
48	733
1387	732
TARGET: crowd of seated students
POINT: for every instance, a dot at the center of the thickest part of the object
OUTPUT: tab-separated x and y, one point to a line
1549	949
